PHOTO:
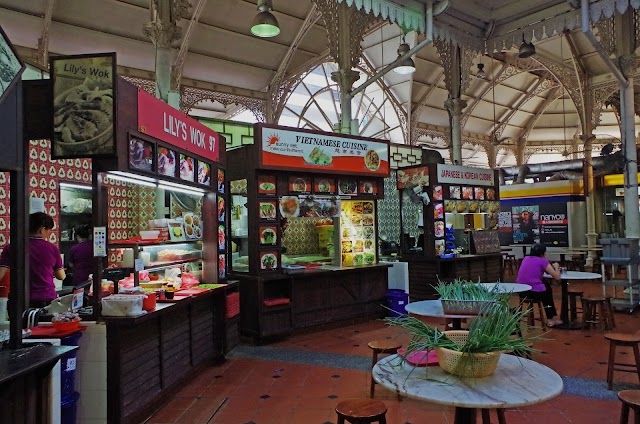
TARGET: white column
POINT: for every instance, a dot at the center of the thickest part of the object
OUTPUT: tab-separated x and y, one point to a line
631	214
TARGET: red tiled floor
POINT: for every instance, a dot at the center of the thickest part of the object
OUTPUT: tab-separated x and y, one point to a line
244	390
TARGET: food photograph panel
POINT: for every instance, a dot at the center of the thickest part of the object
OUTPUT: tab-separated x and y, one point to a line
192	226
437	193
455	192
368	187
221	211
478	193
267	185
222	238
347	187
167	161
299	185
176	230
289	206
438	228
187	166
204	173
267	210
467	193
141	154
222	266
83	106
221	180
324	186
438	211
269	260
268	235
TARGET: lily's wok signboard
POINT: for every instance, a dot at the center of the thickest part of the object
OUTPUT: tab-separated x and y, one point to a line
282	147
83	105
161	121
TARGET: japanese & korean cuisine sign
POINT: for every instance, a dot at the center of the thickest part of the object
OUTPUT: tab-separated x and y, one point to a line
322	152
159	120
455	174
83	105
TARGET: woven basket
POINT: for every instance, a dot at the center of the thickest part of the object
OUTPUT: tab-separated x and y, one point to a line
464	307
470	365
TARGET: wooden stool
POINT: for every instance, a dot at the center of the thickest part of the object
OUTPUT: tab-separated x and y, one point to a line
573	310
486	418
361	411
630	400
509	262
621	339
530	305
599	312
388	347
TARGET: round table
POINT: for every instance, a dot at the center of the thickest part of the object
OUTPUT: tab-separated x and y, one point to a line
516	382
564	303
508	287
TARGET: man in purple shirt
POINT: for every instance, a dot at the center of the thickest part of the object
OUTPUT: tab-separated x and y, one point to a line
531	272
44	261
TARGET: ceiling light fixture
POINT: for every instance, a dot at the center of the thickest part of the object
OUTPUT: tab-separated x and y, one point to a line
481	74
526	49
265	25
407	66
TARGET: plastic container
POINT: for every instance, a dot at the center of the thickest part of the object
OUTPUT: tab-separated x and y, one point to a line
68	369
122	305
397	299
149	234
69	409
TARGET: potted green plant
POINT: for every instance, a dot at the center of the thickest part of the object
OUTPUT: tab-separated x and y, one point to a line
466	297
472	353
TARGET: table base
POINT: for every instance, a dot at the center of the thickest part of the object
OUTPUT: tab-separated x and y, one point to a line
569	326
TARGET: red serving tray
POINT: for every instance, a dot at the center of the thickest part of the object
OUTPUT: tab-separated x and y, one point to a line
191	292
49	331
421	359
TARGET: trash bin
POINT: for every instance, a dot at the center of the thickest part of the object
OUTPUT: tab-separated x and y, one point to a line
69	409
397	299
68	368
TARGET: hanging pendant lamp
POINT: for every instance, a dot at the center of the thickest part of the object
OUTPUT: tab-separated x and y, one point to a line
526	49
481	74
265	25
407	66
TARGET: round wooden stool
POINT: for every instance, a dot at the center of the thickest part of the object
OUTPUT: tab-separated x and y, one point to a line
361	411
598	312
621	339
509	262
530	305
381	347
630	400
574	294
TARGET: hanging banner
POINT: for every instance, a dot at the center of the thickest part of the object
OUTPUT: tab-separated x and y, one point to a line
322	152
554	224
159	120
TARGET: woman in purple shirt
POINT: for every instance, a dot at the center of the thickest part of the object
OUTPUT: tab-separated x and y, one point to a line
81	256
531	272
44	261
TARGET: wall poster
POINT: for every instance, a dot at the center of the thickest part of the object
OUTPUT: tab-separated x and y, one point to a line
10	65
525	224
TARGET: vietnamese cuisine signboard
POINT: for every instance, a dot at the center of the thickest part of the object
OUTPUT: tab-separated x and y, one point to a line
456	174
83	105
282	147
159	120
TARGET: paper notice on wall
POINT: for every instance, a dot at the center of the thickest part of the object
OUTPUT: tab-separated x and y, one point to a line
36	204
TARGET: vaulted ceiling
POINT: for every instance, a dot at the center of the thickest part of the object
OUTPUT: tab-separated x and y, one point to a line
530	100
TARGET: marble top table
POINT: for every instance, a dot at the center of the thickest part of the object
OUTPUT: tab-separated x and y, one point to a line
516	382
564	305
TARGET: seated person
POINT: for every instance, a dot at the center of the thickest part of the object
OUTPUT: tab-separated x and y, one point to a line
531	272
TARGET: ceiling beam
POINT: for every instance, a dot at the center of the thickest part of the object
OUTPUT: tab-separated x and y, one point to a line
178	66
42	56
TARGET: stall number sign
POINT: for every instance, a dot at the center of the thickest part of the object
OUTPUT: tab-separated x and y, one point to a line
78	299
71	364
455	174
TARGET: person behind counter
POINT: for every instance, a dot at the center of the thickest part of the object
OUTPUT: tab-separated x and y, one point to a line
531	272
81	259
44	261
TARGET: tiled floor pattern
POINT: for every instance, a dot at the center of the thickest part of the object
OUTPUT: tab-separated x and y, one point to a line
302	378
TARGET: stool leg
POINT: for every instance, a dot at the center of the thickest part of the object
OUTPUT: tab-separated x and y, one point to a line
383	420
486	418
529	307
586	314
374	360
636	353
572	308
340	419
501	418
543	314
610	310
612	358
624	414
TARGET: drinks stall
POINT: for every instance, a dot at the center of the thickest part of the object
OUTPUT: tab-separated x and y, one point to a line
459	209
303	228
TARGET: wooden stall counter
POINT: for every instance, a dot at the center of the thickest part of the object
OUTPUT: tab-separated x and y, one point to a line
150	355
424	272
280	303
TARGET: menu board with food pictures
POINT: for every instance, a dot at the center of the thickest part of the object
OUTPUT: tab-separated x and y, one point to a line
299	185
289	206
187	167
324	186
221	210
357	238
221	181
166	162
140	155
319	206
267	210
485	241
347	187
268	235
411	177
267	185
268	260
368	187
222	237
192	226
204	173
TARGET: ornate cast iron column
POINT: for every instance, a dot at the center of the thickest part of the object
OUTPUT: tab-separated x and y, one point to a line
454	106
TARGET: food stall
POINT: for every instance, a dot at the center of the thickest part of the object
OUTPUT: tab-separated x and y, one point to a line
459	210
159	286
303	226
